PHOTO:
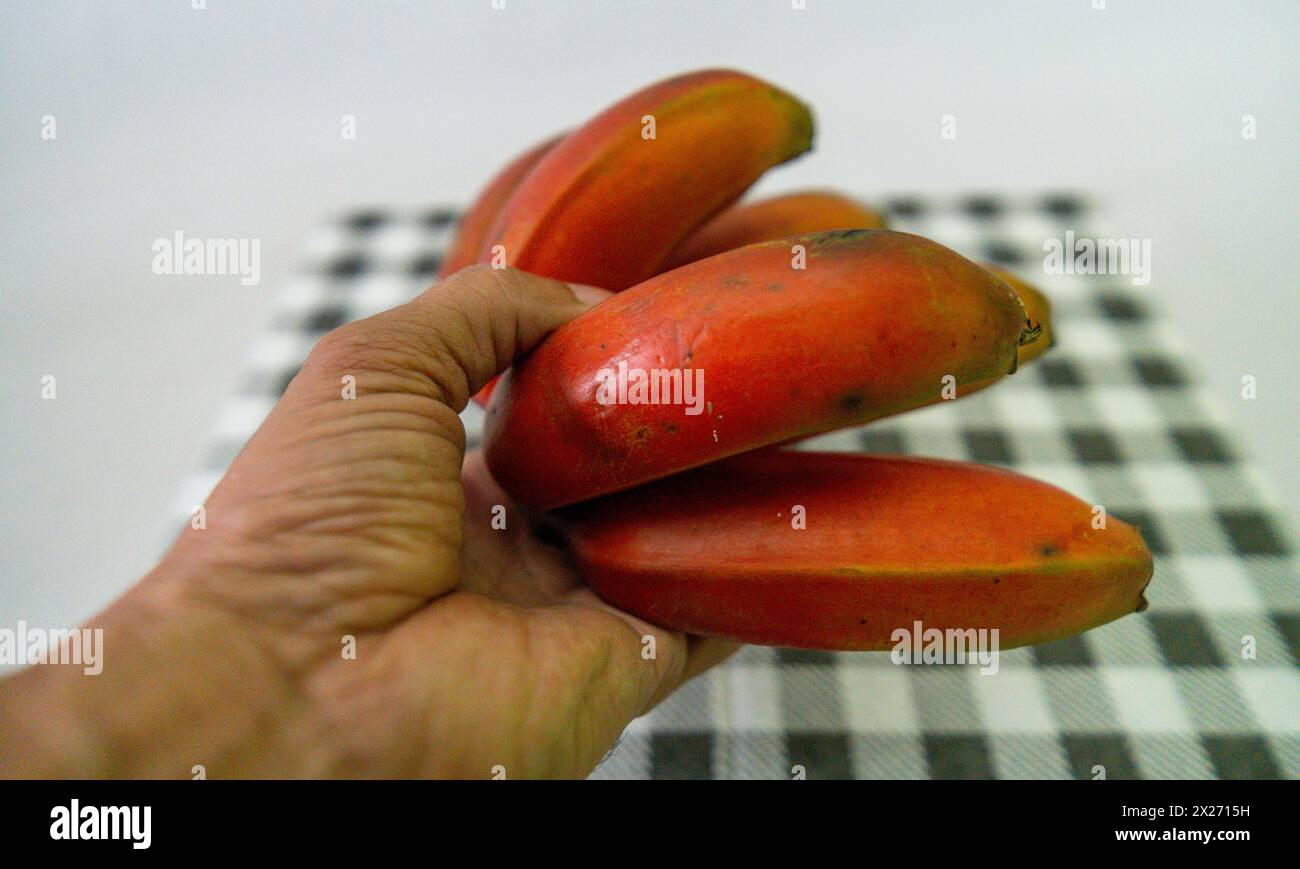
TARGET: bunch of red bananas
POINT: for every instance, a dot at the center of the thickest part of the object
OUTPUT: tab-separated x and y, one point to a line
657	425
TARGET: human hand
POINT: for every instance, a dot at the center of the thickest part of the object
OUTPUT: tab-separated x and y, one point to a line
360	525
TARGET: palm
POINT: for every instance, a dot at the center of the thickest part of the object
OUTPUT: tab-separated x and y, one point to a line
513	564
518	671
520	646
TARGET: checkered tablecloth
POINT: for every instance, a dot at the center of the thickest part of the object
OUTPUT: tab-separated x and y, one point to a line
1201	685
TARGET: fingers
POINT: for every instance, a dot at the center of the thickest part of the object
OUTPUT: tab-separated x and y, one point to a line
456	336
656	660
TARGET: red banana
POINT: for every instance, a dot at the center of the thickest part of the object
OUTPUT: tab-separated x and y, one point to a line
887	542
777	217
779	340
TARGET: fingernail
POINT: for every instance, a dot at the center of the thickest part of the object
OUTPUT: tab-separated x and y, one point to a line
588	294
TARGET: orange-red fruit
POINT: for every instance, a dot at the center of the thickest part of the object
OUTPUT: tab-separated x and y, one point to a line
887	542
479	217
820	210
777	340
608	203
778	217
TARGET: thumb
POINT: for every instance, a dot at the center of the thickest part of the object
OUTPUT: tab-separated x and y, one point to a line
452	339
361	458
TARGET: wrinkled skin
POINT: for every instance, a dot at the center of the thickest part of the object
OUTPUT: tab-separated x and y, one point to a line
478	652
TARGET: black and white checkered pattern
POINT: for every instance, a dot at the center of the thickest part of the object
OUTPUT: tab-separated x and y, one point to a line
1110	414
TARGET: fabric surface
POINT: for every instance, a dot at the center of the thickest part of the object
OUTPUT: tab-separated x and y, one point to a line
1201	685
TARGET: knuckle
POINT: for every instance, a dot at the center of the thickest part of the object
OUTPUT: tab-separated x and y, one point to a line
344	349
389	345
362	345
511	285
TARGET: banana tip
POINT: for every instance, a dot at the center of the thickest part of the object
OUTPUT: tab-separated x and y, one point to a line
1142	603
1029	334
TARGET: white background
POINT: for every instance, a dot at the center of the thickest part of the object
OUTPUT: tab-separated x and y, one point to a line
225	122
